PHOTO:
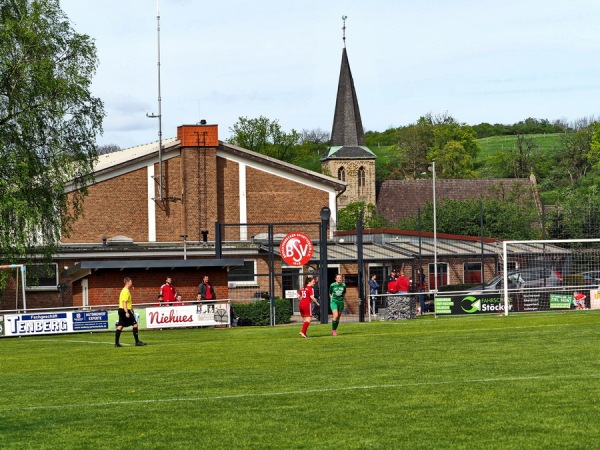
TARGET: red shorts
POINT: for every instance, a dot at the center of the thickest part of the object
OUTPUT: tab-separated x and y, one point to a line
305	309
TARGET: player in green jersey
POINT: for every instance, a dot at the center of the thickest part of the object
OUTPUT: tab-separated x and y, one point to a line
337	291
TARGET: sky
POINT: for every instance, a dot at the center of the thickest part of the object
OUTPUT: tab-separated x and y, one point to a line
477	60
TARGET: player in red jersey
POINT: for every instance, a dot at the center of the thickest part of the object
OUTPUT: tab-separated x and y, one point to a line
307	297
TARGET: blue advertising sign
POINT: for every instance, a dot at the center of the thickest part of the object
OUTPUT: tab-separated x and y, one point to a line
90	320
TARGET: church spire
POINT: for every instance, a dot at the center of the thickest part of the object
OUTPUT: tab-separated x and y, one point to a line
347	132
349	159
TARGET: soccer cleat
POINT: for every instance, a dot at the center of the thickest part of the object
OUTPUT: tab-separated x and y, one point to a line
333	333
303	335
140	344
118	345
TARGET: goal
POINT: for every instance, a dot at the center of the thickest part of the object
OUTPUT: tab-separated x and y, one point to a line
545	275
20	270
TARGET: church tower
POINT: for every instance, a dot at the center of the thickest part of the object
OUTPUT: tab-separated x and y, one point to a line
348	159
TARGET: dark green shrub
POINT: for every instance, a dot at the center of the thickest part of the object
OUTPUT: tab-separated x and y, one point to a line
573	279
257	313
456	287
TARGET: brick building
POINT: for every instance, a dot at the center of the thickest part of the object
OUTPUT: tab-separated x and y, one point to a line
153	212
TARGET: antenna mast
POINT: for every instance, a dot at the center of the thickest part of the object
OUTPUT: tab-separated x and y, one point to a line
159	115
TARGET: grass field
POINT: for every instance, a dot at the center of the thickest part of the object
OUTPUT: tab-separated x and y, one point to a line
523	381
545	142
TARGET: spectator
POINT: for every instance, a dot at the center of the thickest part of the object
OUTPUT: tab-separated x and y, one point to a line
317	293
402	283
391	283
421	287
205	290
168	291
373	285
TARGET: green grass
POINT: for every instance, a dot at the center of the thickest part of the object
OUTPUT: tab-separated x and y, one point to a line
523	381
494	144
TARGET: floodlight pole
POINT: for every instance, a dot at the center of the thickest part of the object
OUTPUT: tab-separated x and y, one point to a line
435	267
323	283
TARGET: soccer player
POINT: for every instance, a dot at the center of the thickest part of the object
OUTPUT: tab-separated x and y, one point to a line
126	314
337	291
307	298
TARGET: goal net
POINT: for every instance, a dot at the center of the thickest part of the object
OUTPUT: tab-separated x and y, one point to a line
19	280
547	275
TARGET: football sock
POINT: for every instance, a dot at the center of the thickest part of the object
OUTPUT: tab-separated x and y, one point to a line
135	335
305	327
117	336
334	324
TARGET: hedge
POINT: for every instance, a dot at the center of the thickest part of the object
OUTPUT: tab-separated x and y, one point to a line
257	313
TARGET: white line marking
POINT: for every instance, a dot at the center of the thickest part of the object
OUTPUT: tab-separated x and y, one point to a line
298	392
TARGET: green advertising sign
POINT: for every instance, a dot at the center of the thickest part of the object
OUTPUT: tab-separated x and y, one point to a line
443	305
561	301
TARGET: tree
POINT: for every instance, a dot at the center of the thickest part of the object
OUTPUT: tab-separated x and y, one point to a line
265	136
48	125
109	148
502	218
577	157
348	216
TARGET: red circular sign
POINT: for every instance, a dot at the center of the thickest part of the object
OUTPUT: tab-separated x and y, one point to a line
296	249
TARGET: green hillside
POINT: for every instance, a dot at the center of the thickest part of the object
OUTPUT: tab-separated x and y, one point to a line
548	144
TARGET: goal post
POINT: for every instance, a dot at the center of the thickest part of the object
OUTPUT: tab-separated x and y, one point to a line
545	275
20	268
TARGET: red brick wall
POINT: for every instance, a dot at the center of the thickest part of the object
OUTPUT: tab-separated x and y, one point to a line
199	176
105	286
114	207
271	198
228	195
169	214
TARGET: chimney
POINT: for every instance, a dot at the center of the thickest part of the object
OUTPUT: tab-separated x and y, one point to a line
199	135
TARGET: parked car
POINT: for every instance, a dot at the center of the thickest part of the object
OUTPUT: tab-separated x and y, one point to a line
591	277
523	278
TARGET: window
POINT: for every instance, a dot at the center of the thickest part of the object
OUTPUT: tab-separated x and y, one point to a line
362	177
41	277
341	174
472	272
242	275
442	275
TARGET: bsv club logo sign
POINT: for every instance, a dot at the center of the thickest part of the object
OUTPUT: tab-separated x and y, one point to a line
296	249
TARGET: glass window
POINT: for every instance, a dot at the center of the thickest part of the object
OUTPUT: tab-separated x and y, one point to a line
442	275
242	275
41	277
472	272
361	177
341	174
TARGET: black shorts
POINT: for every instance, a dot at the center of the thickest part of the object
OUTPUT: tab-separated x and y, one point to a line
125	321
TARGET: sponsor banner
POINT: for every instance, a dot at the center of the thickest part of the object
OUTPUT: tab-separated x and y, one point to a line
40	323
594	299
90	320
54	322
187	316
470	304
561	301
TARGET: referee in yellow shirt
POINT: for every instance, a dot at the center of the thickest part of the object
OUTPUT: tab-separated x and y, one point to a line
126	314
